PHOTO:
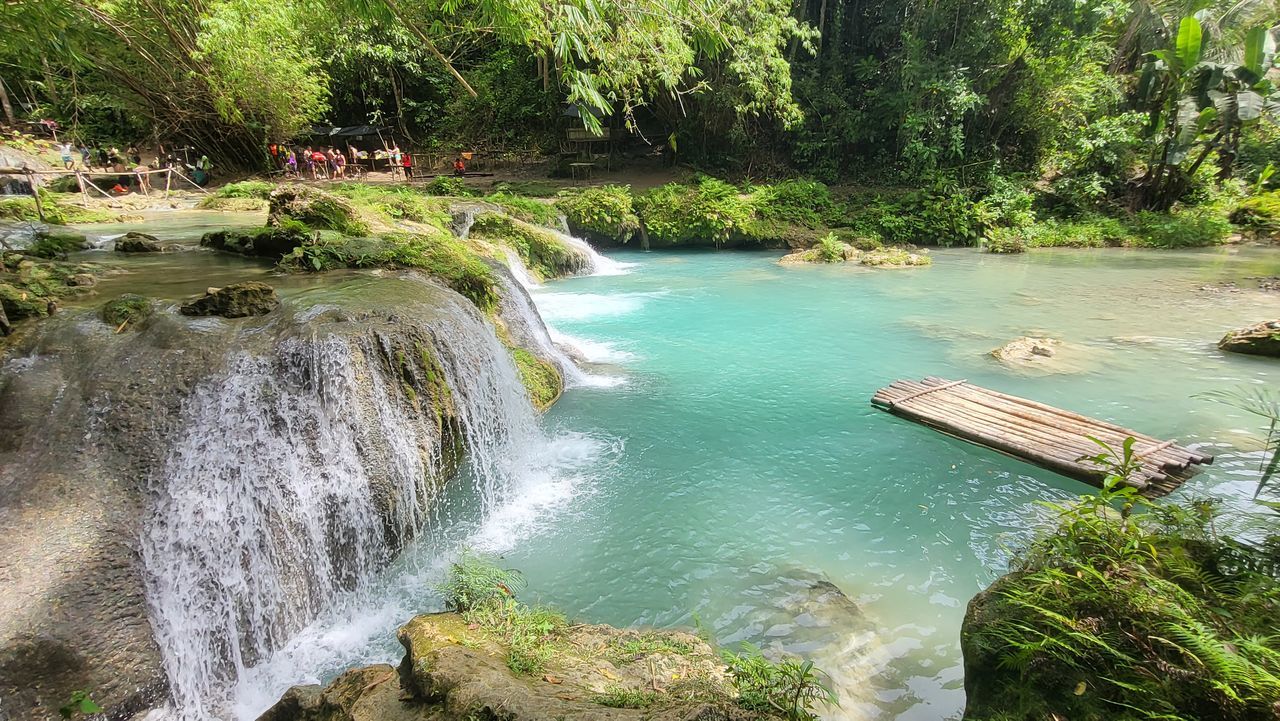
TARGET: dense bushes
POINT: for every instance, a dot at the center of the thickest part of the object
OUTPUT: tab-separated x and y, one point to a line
1145	611
709	211
1260	213
606	212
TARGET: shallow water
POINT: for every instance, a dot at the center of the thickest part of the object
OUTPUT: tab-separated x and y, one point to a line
739	459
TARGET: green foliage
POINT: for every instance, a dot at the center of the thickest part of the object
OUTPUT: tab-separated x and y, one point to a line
712	210
803	202
1005	240
1145	609
475	582
58	210
391	204
829	249
448	185
1264	403
1260	212
605	211
485	595
647	644
790	688
622	697
939	214
1183	228
79	704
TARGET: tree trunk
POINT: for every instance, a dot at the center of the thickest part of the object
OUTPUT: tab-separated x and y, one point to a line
822	19
6	105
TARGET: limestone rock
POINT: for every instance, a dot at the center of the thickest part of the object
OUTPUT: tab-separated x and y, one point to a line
235	301
134	242
453	672
315	208
270	242
127	310
1258	339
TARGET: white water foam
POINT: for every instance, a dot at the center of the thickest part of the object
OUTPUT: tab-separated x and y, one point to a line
587	306
592	351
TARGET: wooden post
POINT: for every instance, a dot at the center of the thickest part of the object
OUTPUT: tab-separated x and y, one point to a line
168	180
35	193
84	195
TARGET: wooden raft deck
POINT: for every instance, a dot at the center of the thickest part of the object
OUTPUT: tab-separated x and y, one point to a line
1046	436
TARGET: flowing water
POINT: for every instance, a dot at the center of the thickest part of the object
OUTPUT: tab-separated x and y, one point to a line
734	465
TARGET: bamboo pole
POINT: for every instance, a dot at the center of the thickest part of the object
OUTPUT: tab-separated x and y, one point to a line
35	193
84	195
189	180
168	180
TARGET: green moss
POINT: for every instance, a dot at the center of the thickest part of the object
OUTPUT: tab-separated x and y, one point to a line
894	256
542	252
29	285
59	209
528	188
526	209
56	244
441	256
127	310
317	209
622	697
393	204
259	189
540	378
606	211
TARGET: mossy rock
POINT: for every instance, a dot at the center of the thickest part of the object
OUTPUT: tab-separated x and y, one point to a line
31	287
1258	339
542	251
235	301
270	242
56	243
127	311
540	378
134	242
441	256
317	209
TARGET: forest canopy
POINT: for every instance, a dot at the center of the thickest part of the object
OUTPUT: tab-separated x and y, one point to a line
1098	98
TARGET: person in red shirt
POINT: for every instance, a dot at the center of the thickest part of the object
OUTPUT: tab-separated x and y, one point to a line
319	165
459	167
406	162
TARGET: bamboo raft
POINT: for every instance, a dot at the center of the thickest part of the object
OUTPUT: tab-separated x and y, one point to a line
1046	436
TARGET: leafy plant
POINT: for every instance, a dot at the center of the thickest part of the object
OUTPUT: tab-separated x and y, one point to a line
790	688
606	211
829	249
474	582
79	703
1264	403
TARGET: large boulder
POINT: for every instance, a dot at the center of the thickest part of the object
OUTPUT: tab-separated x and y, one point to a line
454	671
270	242
1258	339
134	242
240	300
315	208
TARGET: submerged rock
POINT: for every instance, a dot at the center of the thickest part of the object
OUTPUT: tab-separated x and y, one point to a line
453	671
1258	339
884	257
134	242
1021	351
127	310
235	301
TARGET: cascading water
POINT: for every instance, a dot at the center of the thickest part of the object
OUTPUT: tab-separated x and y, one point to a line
299	475
597	263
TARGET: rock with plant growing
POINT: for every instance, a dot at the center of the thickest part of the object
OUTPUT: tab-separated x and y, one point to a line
1258	339
492	656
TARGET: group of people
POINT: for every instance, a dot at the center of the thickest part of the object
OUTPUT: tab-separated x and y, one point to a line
331	163
128	165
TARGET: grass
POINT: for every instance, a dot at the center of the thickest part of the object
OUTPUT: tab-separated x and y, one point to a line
646	644
526	209
622	697
59	209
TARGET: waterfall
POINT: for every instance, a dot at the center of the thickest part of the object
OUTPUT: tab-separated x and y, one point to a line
596	263
517	302
299	473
